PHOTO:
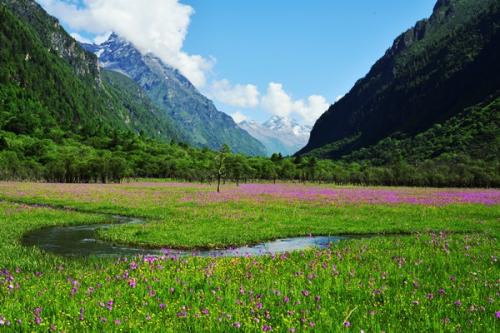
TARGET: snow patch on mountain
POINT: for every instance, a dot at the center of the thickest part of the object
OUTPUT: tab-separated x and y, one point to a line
279	134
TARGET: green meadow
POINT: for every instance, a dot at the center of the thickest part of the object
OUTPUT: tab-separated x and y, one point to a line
430	263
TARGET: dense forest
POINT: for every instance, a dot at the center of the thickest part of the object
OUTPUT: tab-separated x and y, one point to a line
114	156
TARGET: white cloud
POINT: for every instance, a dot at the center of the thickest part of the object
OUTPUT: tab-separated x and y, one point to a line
238	117
312	109
240	95
80	38
280	103
99	39
277	101
157	26
338	98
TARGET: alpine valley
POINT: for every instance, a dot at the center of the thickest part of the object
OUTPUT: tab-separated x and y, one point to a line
130	203
426	114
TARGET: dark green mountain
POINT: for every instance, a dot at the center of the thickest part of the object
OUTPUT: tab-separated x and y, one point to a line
471	134
445	70
47	81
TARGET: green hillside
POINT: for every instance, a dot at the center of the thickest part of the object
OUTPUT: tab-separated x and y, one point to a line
431	74
473	134
45	88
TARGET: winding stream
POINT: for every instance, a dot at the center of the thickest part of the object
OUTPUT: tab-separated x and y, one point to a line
77	241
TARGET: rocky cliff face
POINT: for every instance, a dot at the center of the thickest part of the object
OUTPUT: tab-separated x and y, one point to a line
432	71
55	38
195	115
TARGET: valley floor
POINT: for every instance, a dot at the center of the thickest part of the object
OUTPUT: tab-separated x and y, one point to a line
438	271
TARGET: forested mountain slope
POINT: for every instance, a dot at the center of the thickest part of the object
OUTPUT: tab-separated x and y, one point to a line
195	116
433	72
49	83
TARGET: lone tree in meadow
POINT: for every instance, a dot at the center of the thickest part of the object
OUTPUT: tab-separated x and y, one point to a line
221	168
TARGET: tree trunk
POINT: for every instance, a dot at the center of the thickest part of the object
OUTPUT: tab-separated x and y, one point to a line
218	183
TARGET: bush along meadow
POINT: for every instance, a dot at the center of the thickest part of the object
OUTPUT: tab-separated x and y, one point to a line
430	262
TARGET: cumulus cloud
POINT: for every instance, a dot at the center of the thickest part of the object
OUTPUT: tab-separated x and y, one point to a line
80	38
238	117
278	102
157	26
240	95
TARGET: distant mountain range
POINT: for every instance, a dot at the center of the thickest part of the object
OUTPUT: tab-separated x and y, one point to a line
198	121
278	134
439	78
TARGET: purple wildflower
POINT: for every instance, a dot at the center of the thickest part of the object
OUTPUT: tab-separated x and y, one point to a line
267	328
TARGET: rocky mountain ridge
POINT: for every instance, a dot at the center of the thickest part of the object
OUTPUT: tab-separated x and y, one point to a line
195	115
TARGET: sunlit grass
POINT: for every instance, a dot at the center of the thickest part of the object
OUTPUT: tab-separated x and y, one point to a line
427	281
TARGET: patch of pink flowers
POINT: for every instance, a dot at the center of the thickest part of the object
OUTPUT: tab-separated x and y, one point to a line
344	195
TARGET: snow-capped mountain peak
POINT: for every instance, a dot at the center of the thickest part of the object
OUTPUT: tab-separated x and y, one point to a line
279	134
199	121
283	124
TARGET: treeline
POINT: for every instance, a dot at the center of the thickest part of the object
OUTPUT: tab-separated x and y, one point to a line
102	159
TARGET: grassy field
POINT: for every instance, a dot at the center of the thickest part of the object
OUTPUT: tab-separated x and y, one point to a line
442	275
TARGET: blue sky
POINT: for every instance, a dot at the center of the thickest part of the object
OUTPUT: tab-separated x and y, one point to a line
261	57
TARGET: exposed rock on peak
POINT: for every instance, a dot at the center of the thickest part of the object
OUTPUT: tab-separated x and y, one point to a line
195	115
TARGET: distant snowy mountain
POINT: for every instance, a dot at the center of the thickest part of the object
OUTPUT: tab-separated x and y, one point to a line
194	115
287	125
279	134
